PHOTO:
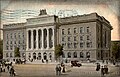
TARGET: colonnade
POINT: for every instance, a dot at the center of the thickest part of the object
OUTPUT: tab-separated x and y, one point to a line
40	38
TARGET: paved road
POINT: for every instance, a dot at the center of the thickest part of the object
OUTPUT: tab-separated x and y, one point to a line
48	70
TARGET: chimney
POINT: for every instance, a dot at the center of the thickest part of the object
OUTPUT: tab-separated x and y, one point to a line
43	12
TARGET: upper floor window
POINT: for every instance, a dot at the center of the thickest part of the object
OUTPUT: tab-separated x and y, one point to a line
69	45
88	30
7	42
7	47
23	35
7	36
75	30
7	55
68	38
88	44
88	37
11	55
75	45
81	30
14	42
75	38
18	35
63	38
63	44
11	35
81	44
10	42
68	30
15	35
81	38
63	32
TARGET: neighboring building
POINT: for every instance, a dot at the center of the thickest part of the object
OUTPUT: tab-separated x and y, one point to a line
14	36
83	37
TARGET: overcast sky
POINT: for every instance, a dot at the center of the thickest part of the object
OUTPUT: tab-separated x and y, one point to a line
110	9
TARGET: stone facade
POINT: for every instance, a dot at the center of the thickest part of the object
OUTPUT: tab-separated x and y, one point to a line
83	37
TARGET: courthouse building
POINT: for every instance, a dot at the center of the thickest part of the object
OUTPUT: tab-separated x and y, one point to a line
82	37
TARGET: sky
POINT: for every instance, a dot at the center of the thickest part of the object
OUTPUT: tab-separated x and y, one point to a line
13	11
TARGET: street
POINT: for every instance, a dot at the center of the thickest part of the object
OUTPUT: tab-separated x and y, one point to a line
48	70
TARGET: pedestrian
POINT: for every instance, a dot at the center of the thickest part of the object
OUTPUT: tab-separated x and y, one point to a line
98	67
42	61
12	71
63	69
106	69
56	69
102	71
59	70
8	67
1	68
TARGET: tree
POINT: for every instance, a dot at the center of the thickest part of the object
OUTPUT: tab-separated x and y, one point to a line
116	50
58	51
17	52
1	49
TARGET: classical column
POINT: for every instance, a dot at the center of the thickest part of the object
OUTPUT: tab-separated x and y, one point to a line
47	38
42	39
32	40
27	40
53	38
36	39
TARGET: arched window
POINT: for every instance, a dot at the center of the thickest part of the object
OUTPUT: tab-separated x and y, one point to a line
87	54
50	56
29	55
81	55
10	54
7	55
75	54
69	55
34	55
45	55
39	56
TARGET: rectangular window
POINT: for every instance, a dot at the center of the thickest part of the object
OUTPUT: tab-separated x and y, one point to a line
68	38
63	32
63	38
15	35
88	30
75	30
11	35
81	38
75	38
88	37
81	30
69	45
81	44
75	45
68	30
7	36
7	48
63	44
88	44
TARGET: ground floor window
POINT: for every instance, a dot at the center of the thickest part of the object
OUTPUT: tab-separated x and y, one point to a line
87	54
34	55
39	56
45	56
81	54
75	54
69	55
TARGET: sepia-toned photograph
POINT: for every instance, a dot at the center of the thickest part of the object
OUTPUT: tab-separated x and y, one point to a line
59	38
